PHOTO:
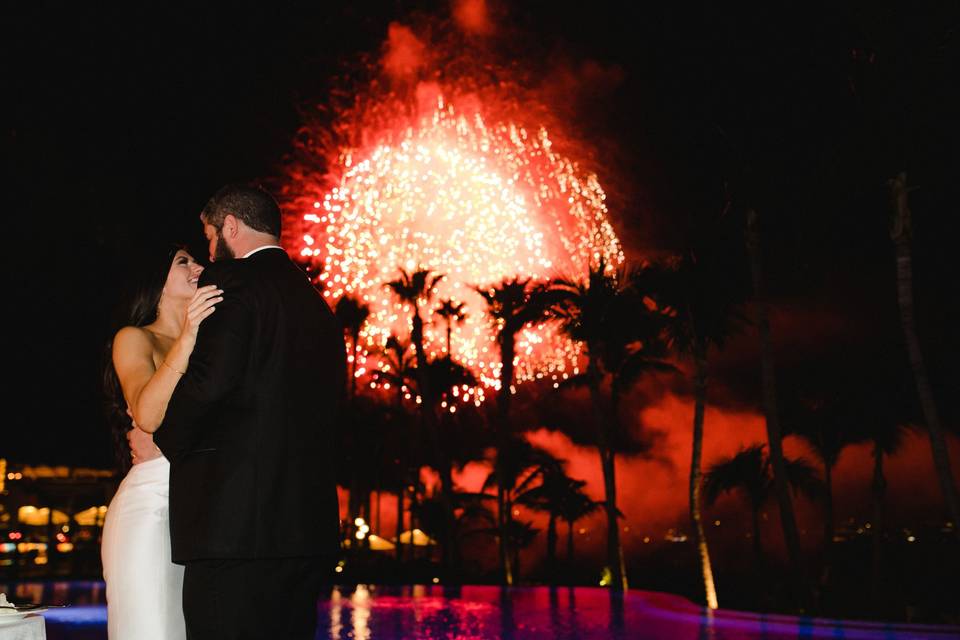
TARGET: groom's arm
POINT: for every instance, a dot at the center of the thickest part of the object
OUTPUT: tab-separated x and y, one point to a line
216	364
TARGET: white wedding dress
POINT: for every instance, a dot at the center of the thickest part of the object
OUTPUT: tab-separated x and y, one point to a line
144	588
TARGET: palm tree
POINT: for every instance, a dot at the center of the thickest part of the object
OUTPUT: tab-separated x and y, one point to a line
399	372
768	379
453	313
511	304
828	425
542	490
416	289
886	437
622	336
521	535
515	461
352	314
443	376
574	506
366	428
548	489
703	316
749	472
399	369
901	234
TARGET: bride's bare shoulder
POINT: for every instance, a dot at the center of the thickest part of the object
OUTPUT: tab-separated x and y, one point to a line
133	339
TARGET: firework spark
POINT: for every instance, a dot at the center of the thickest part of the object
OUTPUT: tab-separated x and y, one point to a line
474	201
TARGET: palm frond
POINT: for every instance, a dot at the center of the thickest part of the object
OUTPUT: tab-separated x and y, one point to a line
803	478
746	471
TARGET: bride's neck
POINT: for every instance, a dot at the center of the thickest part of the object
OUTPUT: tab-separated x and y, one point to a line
169	320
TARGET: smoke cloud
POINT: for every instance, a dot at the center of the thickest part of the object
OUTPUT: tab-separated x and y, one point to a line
404	54
472	17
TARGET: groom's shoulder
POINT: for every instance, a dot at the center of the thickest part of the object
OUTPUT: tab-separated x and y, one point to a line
226	273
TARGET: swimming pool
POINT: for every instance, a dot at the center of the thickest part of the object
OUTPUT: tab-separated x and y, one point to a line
487	612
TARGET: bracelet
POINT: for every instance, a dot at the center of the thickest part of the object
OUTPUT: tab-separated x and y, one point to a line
172	369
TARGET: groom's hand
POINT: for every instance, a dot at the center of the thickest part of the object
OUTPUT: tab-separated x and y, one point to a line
142	447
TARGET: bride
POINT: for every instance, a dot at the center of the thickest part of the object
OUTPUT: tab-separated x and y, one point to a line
148	357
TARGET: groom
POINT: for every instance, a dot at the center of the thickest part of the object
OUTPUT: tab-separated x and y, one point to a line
248	432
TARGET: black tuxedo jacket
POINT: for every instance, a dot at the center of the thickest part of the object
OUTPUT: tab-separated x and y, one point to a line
249	428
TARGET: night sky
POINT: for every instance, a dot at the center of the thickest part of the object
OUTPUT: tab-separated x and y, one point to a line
121	123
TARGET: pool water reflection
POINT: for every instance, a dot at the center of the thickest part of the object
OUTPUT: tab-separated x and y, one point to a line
487	612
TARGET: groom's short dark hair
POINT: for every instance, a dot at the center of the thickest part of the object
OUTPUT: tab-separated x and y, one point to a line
253	205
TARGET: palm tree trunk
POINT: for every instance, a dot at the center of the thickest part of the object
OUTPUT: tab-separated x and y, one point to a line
570	543
828	525
400	492
901	235
552	543
414	521
401	464
515	549
506	340
506	565
353	499
446	478
355	337
879	490
615	560
696	475
774	433
429	416
757	546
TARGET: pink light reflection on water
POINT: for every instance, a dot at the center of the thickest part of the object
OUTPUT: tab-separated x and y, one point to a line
567	613
487	612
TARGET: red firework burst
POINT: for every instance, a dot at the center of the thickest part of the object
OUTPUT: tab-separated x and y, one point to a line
461	190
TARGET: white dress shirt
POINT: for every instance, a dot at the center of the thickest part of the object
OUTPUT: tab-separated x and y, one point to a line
266	246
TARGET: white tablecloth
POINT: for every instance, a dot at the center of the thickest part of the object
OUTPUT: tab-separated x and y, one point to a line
29	628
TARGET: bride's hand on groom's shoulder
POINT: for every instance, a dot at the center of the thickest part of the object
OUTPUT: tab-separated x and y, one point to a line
201	306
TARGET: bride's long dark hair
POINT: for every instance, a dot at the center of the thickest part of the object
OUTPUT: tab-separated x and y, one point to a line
137	308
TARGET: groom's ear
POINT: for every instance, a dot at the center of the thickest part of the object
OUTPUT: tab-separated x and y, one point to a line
231	226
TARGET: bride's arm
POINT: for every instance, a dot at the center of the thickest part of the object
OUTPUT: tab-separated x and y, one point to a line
146	387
